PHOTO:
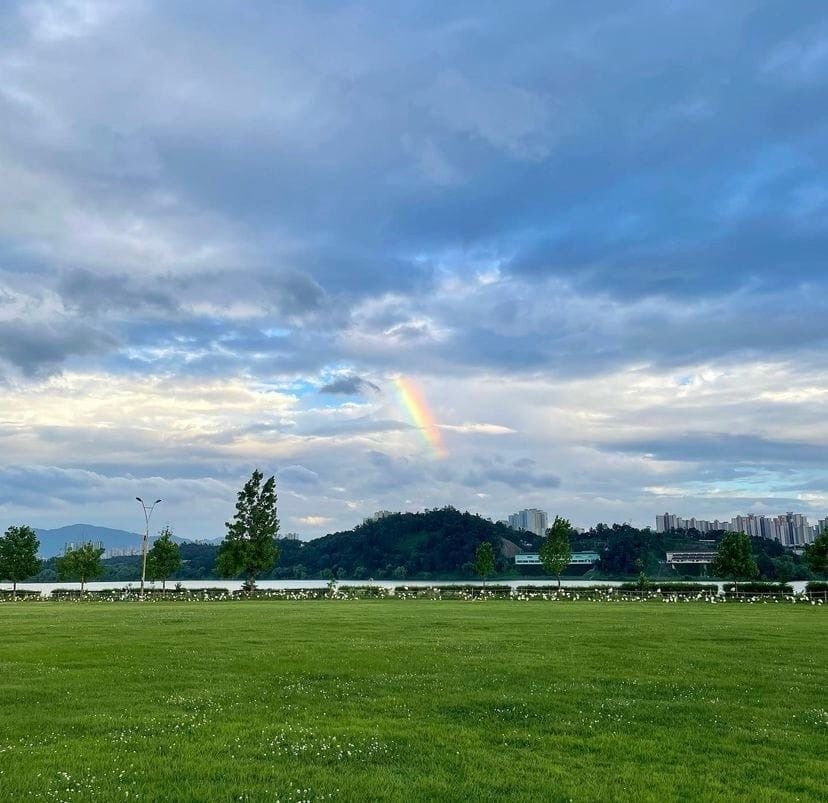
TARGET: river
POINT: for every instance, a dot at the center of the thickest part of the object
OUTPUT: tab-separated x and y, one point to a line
235	585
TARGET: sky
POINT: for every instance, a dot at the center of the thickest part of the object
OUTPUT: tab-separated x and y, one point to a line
547	254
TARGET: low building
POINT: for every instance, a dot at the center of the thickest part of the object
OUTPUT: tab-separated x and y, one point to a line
576	559
690	558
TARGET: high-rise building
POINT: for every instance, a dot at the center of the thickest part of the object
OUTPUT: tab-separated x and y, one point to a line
532	520
792	529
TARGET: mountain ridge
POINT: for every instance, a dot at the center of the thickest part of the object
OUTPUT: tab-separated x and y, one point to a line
53	541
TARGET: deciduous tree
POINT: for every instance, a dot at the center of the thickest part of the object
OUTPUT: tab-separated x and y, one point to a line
83	563
555	551
484	560
18	555
250	546
164	558
735	558
816	554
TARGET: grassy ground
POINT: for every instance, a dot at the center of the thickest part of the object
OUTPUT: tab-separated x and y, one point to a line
413	701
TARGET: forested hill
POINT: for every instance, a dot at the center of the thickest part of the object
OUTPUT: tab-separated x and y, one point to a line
435	542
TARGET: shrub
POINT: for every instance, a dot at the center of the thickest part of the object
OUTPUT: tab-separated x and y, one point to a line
759	588
21	594
817	589
675	588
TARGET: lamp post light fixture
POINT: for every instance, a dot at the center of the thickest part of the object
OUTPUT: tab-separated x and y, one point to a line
147	514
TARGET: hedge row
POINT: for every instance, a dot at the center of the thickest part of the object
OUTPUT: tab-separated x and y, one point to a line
21	594
673	588
758	588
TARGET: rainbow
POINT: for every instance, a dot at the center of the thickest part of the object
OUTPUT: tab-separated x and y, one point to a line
414	404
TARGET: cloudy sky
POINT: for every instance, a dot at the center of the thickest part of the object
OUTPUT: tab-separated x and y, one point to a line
593	237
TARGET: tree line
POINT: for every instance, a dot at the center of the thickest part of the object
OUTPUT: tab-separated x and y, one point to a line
403	545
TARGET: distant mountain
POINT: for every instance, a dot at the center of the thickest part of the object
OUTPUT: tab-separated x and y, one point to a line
53	542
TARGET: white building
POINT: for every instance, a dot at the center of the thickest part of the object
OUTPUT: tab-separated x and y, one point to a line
532	520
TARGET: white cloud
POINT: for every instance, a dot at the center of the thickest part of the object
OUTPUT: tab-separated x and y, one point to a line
481	429
313	521
56	20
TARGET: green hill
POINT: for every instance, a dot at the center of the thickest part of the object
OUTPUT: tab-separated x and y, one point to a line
438	542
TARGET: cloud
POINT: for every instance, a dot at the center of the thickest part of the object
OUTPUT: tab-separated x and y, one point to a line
481	429
508	117
313	521
600	231
294	293
726	447
91	293
298	476
349	386
519	474
38	349
57	20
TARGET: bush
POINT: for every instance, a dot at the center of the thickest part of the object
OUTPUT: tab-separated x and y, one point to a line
470	588
817	588
674	588
759	588
365	592
21	594
553	588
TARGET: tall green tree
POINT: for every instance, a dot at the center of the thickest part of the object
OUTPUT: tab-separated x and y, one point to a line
83	563
556	551
164	558
816	554
18	555
484	561
735	559
250	546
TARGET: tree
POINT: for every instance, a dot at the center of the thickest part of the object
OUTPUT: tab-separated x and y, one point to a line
84	563
816	554
18	555
555	551
164	558
250	544
735	558
643	582
484	560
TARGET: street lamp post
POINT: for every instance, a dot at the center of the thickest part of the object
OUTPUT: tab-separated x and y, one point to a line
147	514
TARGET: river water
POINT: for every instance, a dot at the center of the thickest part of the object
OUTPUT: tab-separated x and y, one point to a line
235	585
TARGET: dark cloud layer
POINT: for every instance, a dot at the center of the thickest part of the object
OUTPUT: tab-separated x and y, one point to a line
520	474
316	198
349	386
718	447
627	153
88	293
37	349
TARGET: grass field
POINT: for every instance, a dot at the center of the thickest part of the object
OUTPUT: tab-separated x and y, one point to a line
419	700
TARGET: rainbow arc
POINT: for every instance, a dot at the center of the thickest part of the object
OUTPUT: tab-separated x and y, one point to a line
421	416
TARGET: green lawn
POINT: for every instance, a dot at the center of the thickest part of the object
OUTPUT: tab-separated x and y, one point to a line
416	700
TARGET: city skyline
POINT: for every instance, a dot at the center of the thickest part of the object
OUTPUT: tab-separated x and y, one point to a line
790	528
501	257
